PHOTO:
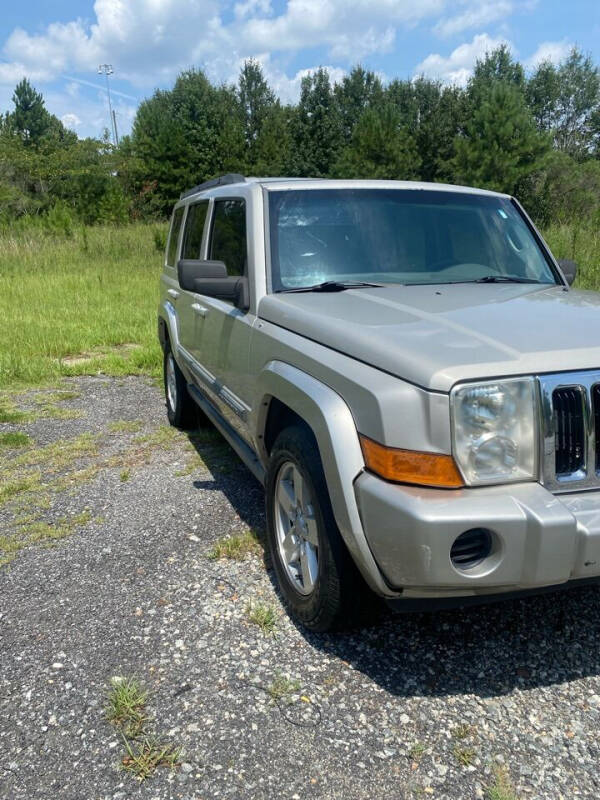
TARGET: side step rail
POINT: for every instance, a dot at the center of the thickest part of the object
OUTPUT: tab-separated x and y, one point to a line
242	448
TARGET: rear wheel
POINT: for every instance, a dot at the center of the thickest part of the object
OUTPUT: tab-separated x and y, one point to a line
181	409
317	577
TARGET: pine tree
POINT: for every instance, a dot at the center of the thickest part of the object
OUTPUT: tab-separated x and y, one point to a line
500	144
30	119
316	128
380	148
273	145
256	99
358	91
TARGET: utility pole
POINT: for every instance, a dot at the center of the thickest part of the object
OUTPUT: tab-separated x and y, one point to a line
106	70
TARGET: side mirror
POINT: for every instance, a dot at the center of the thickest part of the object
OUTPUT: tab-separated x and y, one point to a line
191	270
569	269
234	289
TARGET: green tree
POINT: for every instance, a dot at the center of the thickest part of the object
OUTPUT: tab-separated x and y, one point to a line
256	100
500	144
359	90
33	122
273	146
577	105
542	93
183	136
433	114
316	128
497	66
565	101
30	119
381	148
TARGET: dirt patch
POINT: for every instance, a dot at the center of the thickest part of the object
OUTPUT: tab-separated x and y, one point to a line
101	352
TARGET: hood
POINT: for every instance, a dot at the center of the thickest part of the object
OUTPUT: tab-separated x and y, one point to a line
435	336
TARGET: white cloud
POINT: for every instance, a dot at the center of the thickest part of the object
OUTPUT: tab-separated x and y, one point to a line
458	66
555	52
150	41
349	28
250	7
70	121
288	89
475	14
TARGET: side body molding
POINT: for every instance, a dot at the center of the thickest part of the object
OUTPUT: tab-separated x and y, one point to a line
333	425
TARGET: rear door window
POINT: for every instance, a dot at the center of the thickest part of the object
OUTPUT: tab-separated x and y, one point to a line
228	237
174	236
194	228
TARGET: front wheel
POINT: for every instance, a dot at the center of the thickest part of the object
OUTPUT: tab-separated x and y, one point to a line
319	581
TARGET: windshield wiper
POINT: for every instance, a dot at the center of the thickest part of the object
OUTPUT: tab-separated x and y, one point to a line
331	286
502	279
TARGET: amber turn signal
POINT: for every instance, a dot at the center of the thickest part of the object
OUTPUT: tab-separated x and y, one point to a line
411	466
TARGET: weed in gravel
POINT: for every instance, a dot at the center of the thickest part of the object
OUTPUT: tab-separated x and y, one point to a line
237	546
14	439
126	706
124	475
126	710
60	454
501	788
55	412
262	615
56	396
34	468
461	731
464	755
416	752
31	530
11	414
144	757
282	688
163	435
46	407
11	488
126	426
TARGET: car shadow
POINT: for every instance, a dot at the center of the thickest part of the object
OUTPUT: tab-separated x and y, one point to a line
484	650
229	476
487	650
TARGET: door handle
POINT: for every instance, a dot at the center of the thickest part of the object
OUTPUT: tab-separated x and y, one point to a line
200	310
173	293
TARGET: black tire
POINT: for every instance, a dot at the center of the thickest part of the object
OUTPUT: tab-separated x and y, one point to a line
181	409
339	597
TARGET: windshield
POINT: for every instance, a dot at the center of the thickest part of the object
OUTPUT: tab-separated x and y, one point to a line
399	236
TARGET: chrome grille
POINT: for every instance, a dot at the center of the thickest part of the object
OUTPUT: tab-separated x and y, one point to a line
569	432
596	408
570	416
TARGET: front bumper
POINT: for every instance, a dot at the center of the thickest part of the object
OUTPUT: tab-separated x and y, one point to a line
540	539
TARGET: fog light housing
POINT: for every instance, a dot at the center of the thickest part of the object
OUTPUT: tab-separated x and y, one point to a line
471	548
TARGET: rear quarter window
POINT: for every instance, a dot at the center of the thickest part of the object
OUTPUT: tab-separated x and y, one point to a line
176	221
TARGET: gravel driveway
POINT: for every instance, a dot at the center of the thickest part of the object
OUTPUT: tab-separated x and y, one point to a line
501	701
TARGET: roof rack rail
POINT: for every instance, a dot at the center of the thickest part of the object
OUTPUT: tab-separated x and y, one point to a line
222	180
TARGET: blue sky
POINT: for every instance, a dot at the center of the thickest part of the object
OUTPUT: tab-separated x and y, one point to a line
59	45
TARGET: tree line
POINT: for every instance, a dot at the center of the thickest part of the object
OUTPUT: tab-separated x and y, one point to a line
535	135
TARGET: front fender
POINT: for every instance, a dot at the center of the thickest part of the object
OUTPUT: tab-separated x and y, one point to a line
332	423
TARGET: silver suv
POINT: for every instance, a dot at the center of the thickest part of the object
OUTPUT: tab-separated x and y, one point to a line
406	370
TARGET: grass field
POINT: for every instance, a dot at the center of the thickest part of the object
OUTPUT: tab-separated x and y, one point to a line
87	303
77	305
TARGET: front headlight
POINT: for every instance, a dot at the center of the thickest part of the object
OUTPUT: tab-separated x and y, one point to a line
494	431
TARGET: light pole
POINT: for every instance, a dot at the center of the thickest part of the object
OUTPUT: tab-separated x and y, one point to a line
106	70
